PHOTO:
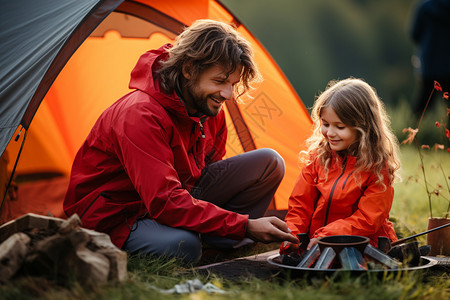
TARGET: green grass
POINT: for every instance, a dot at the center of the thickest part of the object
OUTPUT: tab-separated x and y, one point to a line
411	205
145	275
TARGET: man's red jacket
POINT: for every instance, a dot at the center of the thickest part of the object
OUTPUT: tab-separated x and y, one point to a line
142	158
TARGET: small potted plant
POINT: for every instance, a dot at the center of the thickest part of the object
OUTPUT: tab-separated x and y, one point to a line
439	240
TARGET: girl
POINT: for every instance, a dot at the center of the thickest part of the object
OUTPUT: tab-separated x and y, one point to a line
346	186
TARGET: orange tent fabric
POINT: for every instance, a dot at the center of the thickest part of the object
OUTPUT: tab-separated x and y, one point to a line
98	73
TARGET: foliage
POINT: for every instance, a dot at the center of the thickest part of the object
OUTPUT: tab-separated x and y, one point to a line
409	206
412	138
316	41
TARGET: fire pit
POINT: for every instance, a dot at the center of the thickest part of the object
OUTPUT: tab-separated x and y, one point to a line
348	253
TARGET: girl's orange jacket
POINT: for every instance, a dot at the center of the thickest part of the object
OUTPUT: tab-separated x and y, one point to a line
338	205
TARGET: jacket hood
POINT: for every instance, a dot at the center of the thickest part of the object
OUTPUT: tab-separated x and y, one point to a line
143	75
143	78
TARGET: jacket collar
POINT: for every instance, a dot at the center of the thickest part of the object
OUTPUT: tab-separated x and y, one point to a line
143	78
340	159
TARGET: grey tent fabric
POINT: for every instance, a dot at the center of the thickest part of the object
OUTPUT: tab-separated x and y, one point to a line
37	38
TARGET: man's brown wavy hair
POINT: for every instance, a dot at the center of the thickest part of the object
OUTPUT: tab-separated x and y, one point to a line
208	43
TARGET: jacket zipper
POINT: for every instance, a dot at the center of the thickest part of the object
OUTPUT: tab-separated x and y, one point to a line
203	136
332	192
195	159
201	129
346	179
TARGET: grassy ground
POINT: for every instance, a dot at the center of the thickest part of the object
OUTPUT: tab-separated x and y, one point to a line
146	276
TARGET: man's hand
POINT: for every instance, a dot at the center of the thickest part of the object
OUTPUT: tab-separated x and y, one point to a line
269	229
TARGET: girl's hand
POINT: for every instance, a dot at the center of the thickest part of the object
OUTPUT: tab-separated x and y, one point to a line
288	248
312	242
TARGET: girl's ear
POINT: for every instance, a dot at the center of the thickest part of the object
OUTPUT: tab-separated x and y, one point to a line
186	70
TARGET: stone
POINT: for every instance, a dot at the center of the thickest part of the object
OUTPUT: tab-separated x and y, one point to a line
69	225
90	268
117	262
60	249
98	240
101	243
12	253
28	222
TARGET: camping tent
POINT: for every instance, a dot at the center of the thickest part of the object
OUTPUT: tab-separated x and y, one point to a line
63	62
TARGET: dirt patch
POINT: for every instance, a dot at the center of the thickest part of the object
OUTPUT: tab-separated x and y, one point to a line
254	266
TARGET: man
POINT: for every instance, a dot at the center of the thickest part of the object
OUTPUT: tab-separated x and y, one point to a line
430	31
151	174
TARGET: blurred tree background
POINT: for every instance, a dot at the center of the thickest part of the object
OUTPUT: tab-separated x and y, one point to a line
316	41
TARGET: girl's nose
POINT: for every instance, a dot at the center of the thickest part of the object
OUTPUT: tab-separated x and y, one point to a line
331	132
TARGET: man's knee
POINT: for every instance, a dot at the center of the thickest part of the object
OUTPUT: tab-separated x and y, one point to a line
274	161
187	247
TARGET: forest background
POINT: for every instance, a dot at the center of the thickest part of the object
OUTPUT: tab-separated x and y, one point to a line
316	41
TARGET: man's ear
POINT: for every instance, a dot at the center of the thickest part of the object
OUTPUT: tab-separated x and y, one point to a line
187	70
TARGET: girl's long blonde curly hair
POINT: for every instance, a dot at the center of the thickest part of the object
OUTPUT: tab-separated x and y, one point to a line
357	104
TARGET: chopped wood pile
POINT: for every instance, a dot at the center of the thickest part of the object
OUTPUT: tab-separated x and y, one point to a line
58	249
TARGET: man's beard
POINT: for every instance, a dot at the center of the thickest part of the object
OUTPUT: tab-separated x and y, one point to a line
200	102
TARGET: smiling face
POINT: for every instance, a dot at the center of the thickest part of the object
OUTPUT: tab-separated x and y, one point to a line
338	135
209	91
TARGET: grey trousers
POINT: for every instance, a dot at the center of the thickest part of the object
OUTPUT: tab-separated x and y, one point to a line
245	184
